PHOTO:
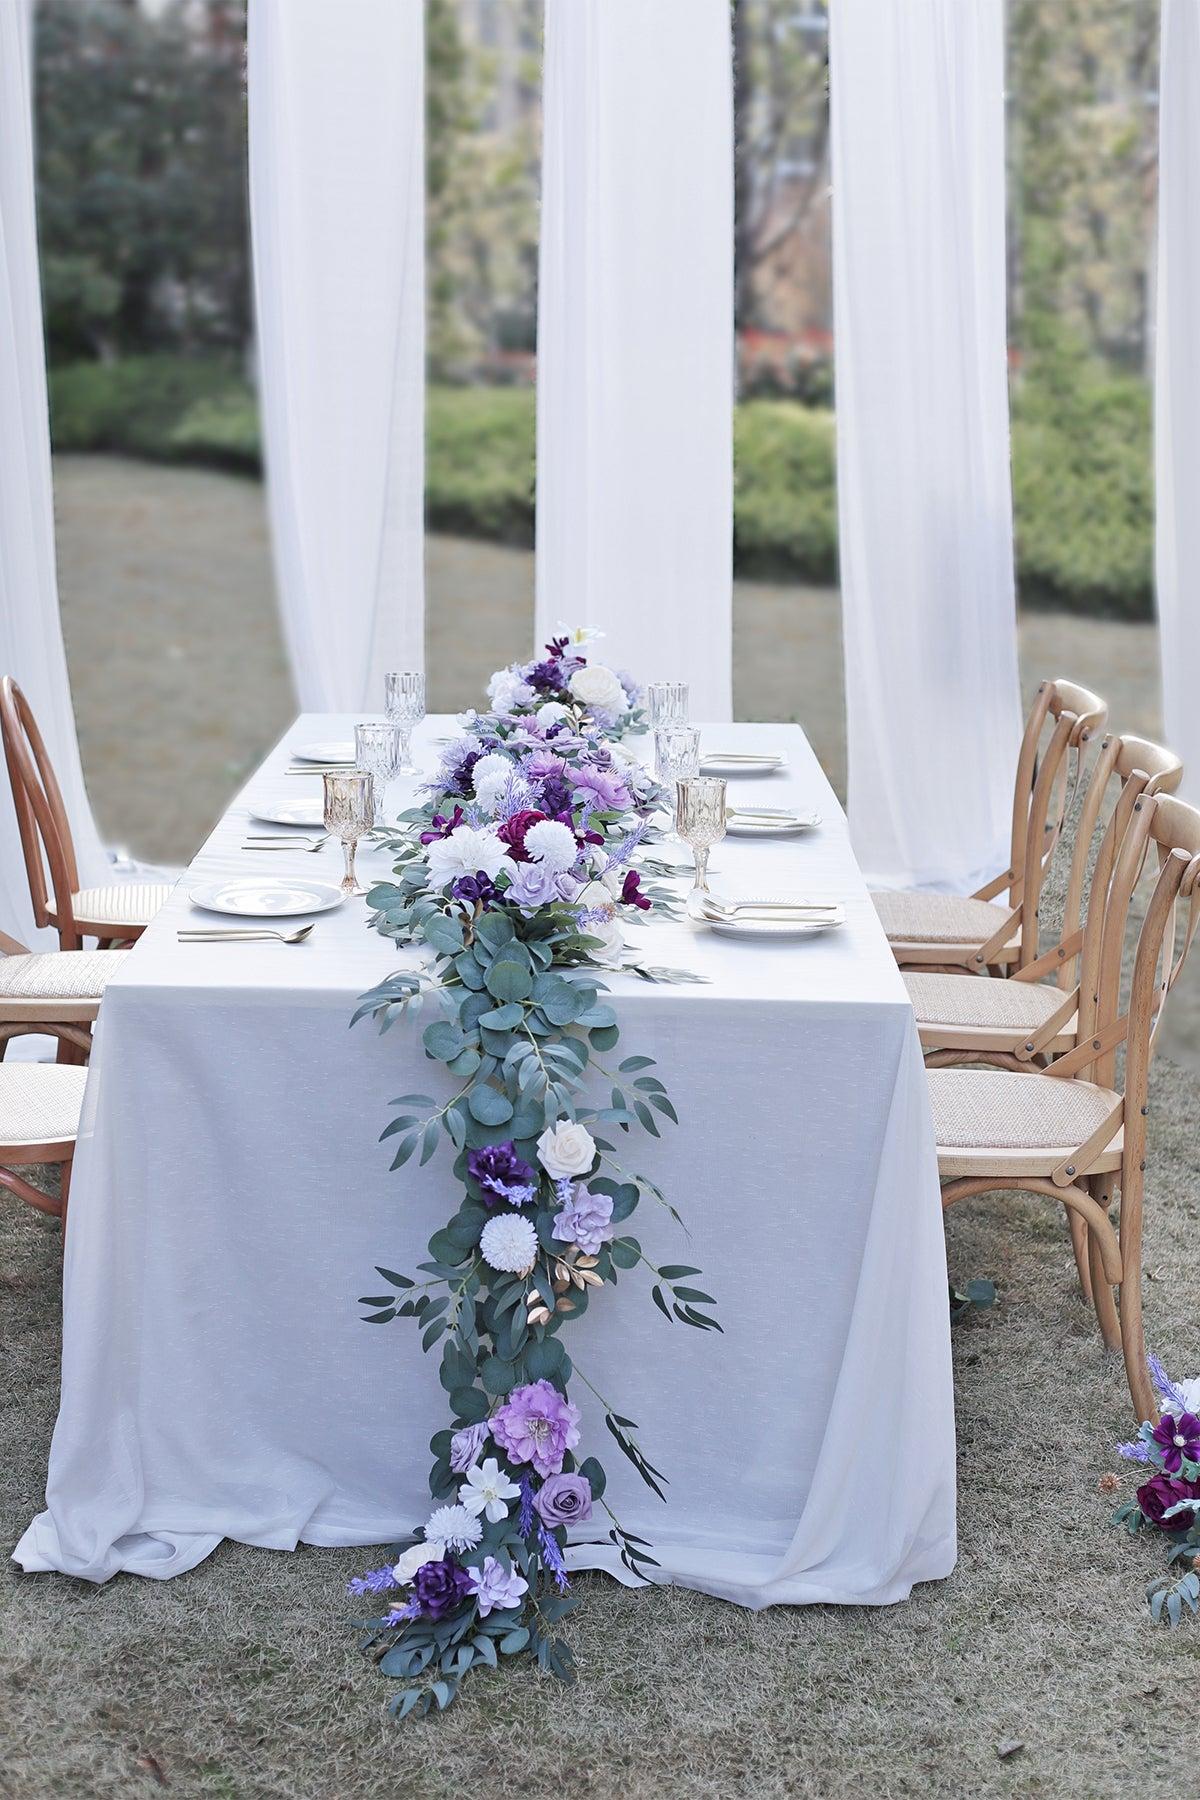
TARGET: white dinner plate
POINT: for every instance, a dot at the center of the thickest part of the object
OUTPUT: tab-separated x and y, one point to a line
265	899
767	821
328	752
305	812
750	926
722	763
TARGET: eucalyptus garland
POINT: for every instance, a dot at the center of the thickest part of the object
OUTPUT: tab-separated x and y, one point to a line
512	878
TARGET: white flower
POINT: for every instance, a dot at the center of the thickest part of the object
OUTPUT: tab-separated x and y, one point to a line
453	1527
506	689
491	775
509	1242
488	1490
577	635
610	952
565	1149
416	1558
598	688
551	713
1190	1393
465	852
552	844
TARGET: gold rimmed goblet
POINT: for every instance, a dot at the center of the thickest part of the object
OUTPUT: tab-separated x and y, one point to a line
349	816
700	820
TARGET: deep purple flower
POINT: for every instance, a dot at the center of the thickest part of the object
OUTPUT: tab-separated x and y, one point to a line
441	826
631	892
537	1424
1160	1493
546	677
564	1500
440	1587
1177	1438
525	1516
477	890
513	830
556	796
502	1174
461	780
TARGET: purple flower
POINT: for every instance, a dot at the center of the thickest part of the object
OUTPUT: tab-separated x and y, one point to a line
525	1516
631	894
564	1500
441	826
585	1220
608	790
552	1556
1159	1494
513	830
1177	1438
537	1424
440	1587
1166	1387
477	890
542	765
496	1588
465	1446
502	1174
556	796
546	676
378	1581
532	886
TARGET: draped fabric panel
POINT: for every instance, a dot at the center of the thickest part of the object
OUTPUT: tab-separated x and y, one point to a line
932	699
635	337
1177	383
31	645
337	200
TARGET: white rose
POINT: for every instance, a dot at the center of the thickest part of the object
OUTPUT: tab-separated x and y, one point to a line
415	1559
610	952
551	714
596	687
566	1150
465	852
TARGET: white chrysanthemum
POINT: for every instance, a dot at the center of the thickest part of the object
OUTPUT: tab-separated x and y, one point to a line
552	844
552	713
596	687
507	689
509	1243
454	1527
465	852
491	776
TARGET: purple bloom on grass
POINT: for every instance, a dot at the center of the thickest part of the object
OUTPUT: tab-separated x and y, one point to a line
496	1588
440	1587
1136	1452
1177	1438
1159	1494
537	1425
502	1174
378	1581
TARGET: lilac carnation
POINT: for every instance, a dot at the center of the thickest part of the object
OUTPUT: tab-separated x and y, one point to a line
585	1220
465	1446
502	1174
537	1424
496	1588
564	1500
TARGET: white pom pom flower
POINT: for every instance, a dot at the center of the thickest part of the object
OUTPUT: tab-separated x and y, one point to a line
552	844
454	1527
491	776
509	1243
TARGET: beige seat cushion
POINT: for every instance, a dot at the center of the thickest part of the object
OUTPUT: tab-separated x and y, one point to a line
127	903
912	918
39	1103
1014	1111
974	1002
60	975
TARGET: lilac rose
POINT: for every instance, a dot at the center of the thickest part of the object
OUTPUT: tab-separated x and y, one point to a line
564	1500
465	1446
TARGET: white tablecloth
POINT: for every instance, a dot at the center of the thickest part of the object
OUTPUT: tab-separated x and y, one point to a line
231	1199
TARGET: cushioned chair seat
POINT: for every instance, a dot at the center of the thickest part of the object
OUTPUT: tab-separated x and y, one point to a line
39	1103
1025	1122
911	918
59	975
127	905
975	1004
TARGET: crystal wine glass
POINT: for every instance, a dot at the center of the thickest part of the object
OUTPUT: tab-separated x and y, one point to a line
700	820
676	753
667	703
405	706
377	753
349	815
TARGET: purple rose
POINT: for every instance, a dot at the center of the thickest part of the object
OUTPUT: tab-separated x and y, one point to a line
536	1424
585	1220
1160	1493
564	1500
465	1446
502	1174
440	1587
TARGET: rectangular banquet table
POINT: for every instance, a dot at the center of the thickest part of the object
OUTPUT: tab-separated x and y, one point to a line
231	1199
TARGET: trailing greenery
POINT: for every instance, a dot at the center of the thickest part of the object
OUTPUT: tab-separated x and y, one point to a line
1082	467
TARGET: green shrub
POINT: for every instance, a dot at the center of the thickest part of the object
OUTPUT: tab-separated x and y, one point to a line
134	406
785	510
479	462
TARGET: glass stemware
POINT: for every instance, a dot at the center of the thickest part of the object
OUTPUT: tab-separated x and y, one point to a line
349	815
404	700
667	703
676	753
377	753
700	820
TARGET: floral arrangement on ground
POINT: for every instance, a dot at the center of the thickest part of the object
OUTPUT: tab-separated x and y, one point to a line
1168	1501
512	878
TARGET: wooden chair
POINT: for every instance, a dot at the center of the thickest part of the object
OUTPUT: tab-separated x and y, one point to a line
1069	1133
113	914
55	994
978	933
1021	1022
39	1121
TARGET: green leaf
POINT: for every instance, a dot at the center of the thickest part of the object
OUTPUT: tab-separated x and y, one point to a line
503	1018
443	1040
494	930
489	1106
625	1252
515	1641
469	1405
497	1376
443	934
507	980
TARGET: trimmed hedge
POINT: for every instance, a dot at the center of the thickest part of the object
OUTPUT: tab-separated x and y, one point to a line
1082	473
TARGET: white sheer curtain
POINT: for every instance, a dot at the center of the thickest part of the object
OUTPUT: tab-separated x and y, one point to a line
635	337
932	702
31	646
1177	382
337	200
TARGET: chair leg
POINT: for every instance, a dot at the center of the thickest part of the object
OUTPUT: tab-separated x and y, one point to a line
1079	1243
1101	1188
1133	1340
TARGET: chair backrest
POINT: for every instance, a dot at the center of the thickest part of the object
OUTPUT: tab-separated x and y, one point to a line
1062	722
1126	767
41	816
